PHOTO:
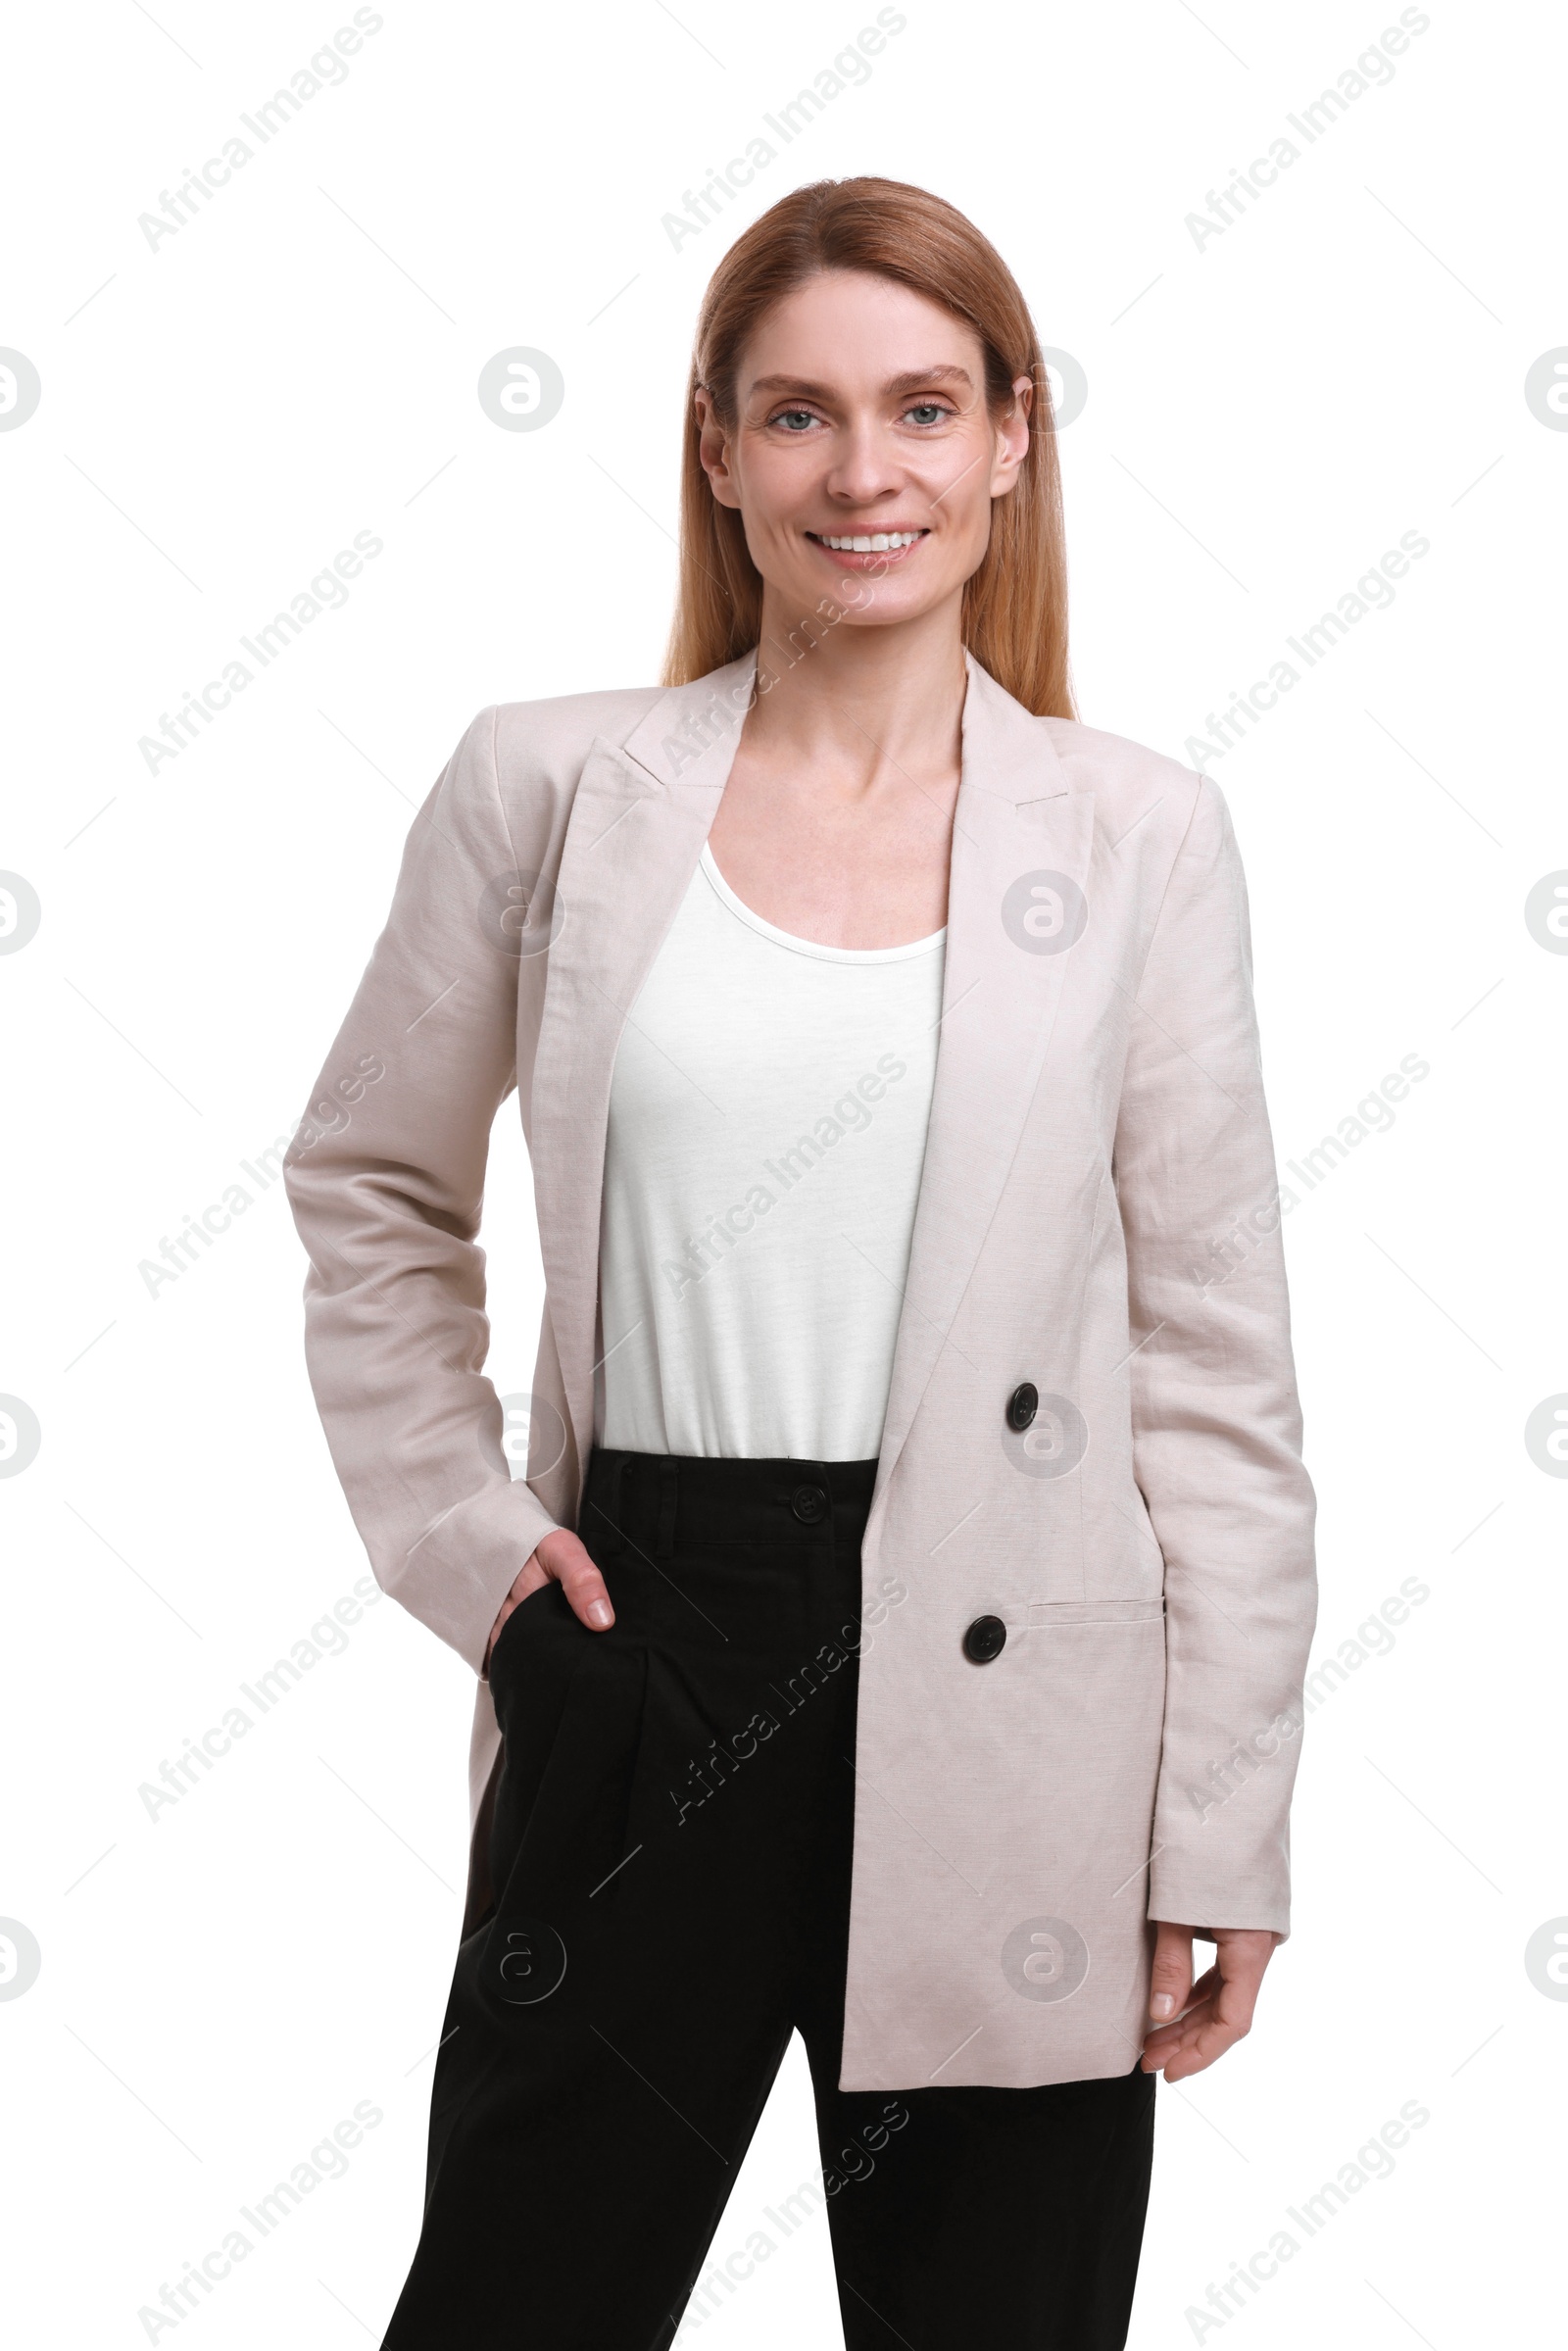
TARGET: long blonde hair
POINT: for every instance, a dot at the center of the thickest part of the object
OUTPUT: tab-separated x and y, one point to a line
1015	604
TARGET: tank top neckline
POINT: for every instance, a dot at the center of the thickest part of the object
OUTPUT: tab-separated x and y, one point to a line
811	947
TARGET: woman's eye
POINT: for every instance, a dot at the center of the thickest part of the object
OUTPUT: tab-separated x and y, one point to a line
926	412
795	419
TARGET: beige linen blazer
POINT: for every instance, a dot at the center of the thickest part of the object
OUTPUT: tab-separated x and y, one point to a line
1097	1217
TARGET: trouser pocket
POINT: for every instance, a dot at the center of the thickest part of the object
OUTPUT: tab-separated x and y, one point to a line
570	1703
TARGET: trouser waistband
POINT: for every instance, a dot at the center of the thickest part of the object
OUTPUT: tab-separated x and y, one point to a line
660	1502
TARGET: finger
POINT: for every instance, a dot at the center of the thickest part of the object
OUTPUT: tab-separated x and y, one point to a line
1203	2035
1209	2043
1159	2047
1162	2041
1171	1975
1172	2043
1168	2038
1185	2031
1237	1998
566	1557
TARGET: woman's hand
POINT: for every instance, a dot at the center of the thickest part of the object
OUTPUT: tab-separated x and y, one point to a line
562	1557
1195	2023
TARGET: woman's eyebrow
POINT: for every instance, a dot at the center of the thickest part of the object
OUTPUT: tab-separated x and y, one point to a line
790	383
920	377
912	381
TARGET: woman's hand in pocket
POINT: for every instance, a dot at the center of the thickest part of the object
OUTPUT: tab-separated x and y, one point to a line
561	1559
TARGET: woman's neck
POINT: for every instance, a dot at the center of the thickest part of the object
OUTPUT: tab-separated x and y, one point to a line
846	699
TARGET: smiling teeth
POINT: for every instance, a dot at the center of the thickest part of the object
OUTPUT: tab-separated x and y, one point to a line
878	542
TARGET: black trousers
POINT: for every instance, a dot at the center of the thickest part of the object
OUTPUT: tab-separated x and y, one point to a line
670	1857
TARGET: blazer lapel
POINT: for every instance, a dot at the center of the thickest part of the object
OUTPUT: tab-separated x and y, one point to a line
639	818
1021	833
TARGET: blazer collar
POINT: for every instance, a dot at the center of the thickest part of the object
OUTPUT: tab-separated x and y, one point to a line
1007	751
689	735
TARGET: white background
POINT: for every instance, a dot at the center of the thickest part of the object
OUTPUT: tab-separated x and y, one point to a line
1267	413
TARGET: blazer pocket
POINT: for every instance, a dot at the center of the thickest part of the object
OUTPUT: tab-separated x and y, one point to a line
1044	1614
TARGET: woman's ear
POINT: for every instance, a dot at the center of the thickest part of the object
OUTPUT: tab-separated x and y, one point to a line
712	449
1012	437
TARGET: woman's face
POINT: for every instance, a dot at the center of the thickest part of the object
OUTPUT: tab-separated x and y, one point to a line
861	417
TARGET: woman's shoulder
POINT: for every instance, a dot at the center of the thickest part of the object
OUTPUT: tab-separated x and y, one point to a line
550	738
517	765
1173	818
1130	783
1101	762
1138	789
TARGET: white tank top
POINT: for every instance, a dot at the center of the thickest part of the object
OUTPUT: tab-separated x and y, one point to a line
767	1120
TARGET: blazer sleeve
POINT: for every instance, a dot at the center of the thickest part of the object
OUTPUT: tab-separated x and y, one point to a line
386	1179
1216	1420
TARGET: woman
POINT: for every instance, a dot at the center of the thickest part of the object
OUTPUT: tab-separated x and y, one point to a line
899	1635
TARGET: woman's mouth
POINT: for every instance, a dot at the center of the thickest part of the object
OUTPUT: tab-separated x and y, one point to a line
864	549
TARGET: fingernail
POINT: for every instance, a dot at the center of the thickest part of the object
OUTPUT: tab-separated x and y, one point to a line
1164	2003
600	1615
